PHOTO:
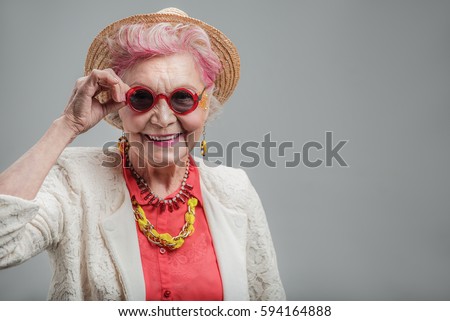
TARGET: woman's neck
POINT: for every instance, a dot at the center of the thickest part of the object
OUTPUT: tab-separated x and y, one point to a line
163	180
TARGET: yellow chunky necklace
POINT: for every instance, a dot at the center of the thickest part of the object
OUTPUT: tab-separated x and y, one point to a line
165	239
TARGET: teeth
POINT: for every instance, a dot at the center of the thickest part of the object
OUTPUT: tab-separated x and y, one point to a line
163	138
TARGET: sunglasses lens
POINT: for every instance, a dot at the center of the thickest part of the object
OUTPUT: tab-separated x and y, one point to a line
182	101
141	99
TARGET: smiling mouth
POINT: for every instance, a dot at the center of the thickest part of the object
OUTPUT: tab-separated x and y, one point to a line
162	138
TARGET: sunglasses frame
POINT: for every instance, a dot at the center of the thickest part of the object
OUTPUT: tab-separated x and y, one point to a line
156	98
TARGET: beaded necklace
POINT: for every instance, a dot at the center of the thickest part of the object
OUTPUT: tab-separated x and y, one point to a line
161	239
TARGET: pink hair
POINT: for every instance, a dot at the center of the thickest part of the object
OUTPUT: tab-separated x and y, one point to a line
134	43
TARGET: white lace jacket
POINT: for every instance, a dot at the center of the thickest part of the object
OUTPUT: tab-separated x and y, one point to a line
83	217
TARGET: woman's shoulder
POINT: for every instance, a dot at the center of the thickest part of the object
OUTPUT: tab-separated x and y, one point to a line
225	182
89	156
212	172
90	164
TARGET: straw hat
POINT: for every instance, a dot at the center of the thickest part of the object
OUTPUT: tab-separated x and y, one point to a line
226	81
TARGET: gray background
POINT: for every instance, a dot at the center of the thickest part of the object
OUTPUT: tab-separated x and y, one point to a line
375	73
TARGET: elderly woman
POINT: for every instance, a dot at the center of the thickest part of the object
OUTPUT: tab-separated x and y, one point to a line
160	227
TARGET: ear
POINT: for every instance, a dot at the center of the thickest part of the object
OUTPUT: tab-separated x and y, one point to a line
204	103
207	112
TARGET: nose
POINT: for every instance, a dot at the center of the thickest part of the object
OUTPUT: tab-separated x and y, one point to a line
162	115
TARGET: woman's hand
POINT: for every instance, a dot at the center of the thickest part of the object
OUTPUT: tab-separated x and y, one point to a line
84	111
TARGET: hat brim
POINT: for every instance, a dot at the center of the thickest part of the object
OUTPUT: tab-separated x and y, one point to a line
98	54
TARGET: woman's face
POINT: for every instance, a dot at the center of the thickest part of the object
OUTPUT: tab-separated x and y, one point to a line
163	75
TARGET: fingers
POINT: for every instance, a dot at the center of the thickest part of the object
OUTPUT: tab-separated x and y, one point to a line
112	106
101	80
119	91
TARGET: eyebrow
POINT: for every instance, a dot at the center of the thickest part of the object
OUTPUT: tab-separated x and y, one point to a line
134	84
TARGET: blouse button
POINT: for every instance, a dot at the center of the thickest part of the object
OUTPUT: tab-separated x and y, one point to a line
166	293
162	250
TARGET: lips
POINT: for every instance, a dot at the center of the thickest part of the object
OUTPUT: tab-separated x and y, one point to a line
163	140
163	137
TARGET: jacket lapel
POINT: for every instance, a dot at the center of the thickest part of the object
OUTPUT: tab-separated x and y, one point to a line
228	230
119	231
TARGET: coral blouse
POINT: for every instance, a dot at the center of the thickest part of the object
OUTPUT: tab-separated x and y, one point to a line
189	273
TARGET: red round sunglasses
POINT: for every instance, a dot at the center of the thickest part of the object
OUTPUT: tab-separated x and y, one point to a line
181	101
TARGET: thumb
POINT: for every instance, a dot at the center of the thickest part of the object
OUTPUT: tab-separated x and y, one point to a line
112	106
